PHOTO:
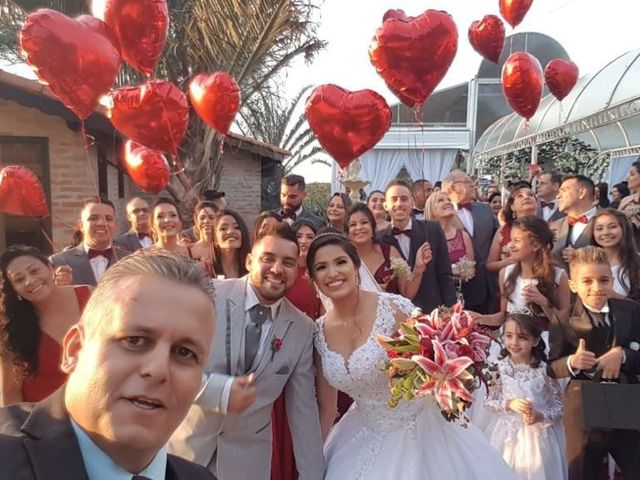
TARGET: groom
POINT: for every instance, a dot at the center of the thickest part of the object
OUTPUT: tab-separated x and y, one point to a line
262	346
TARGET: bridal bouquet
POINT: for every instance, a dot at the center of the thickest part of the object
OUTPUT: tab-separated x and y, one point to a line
400	267
442	354
464	269
632	212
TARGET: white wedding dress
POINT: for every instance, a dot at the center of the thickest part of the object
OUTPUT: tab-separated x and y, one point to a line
410	442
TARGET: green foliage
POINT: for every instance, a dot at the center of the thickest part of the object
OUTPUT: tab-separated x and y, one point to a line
317	199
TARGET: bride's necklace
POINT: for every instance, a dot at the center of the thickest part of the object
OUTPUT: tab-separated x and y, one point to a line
354	316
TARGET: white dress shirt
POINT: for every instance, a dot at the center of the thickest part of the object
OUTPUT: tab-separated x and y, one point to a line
100	466
466	218
578	228
403	240
99	264
145	241
250	300
291	220
548	212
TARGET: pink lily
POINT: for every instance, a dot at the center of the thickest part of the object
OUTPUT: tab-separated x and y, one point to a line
443	375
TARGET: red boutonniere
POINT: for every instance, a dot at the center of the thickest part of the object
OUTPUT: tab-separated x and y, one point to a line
276	345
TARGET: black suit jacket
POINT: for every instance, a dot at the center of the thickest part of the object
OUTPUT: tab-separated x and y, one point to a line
557	215
564	336
437	282
37	442
129	241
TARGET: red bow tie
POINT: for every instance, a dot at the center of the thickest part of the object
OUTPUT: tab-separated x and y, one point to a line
573	220
106	253
466	206
396	231
547	204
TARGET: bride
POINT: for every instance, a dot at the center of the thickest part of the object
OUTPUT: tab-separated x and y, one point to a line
373	441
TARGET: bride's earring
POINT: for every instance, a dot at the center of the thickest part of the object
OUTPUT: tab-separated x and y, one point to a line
19	298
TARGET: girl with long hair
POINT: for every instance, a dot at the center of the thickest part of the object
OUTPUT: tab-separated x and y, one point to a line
231	245
531	282
613	232
35	314
204	217
166	226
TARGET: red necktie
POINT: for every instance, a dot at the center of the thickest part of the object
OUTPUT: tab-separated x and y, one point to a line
106	253
573	220
396	231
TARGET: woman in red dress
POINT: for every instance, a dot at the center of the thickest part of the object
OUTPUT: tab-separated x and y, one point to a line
303	295
35	314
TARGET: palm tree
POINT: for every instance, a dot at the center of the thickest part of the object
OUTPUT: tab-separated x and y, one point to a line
253	40
273	120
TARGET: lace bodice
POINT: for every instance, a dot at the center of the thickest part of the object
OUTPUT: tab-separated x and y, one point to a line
358	375
523	381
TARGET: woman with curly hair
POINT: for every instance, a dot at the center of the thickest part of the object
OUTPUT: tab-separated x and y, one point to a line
35	314
613	231
231	245
521	203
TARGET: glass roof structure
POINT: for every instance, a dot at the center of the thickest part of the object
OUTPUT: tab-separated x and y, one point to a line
603	110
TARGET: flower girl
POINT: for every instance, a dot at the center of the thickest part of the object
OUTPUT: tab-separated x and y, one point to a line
527	429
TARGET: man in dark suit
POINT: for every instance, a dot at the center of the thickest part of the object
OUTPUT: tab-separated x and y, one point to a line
415	238
480	293
421	190
576	200
292	193
86	263
598	342
135	363
547	191
138	236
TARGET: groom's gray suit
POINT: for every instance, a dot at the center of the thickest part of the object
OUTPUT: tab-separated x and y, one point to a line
238	446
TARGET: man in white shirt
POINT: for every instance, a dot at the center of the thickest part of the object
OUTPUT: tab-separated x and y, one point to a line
263	346
547	191
86	263
139	235
575	199
135	362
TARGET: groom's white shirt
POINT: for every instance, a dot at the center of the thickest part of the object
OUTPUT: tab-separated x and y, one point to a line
251	300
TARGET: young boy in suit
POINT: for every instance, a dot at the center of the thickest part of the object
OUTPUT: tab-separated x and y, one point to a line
599	342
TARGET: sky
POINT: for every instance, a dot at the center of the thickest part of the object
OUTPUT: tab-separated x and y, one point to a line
593	32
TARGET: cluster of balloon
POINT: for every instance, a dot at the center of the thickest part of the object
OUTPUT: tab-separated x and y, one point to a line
522	82
486	36
347	124
147	167
154	114
561	76
21	192
140	27
216	99
514	11
72	56
413	54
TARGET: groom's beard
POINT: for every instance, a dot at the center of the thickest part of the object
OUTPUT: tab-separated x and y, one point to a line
266	291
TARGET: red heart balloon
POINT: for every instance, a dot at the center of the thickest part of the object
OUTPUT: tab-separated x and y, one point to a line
514	11
347	124
398	13
79	64
216	98
147	167
154	114
522	83
487	37
21	192
413	54
140	26
100	27
561	76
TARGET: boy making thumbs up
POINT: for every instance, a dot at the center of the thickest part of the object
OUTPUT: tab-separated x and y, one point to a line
599	342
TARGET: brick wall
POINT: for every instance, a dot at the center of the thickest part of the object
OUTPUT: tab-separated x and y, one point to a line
72	176
241	183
